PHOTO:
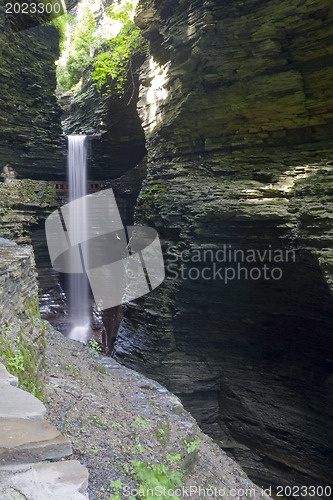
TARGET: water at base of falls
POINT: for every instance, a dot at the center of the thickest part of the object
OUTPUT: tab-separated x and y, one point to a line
78	291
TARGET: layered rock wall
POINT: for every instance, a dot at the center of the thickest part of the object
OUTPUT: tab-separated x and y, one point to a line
18	280
232	74
30	127
120	144
22	342
23	206
236	104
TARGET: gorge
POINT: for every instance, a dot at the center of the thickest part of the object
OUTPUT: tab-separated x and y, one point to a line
220	139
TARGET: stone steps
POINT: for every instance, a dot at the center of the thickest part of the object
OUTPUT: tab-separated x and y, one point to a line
23	440
40	481
27	444
16	403
6	378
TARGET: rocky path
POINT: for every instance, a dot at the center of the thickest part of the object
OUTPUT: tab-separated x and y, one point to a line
131	433
33	453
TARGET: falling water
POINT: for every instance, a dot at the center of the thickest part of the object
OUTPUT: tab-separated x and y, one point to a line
78	283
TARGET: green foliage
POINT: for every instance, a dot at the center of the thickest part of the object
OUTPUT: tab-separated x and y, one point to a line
140	421
15	359
20	360
150	200
116	425
174	458
192	446
114	60
155	479
116	486
60	23
73	369
94	346
151	476
162	433
97	421
81	41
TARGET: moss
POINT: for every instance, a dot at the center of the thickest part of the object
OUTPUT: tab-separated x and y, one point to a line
162	434
50	197
22	360
20	205
100	369
22	356
150	200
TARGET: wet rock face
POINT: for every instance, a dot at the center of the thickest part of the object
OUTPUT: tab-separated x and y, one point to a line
121	142
238	159
30	128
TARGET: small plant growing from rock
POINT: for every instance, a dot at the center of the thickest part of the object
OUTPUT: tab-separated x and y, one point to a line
15	359
20	361
174	459
192	446
140	421
153	476
94	346
116	486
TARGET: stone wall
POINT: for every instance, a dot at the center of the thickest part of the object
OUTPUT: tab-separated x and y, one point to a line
236	104
229	75
18	280
22	342
24	205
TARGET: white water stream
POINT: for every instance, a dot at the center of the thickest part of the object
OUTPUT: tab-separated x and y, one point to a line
78	283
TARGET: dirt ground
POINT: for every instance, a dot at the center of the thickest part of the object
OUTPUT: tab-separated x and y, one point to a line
131	433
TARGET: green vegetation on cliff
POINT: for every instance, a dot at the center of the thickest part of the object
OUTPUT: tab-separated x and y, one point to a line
78	46
106	48
21	356
114	61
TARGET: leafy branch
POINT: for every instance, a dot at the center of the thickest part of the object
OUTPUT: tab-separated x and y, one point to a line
114	61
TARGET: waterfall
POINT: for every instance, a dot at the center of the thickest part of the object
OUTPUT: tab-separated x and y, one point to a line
78	283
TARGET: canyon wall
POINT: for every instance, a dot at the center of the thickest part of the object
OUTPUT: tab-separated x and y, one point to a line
113	118
18	280
23	207
22	342
236	103
30	128
109	112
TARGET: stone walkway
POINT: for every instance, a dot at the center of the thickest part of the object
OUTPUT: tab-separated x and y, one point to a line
33	452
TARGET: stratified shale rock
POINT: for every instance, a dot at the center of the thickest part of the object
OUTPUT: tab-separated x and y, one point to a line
236	102
120	141
30	126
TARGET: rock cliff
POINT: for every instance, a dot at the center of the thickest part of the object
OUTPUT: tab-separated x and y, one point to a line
30	127
235	110
121	142
236	105
130	432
